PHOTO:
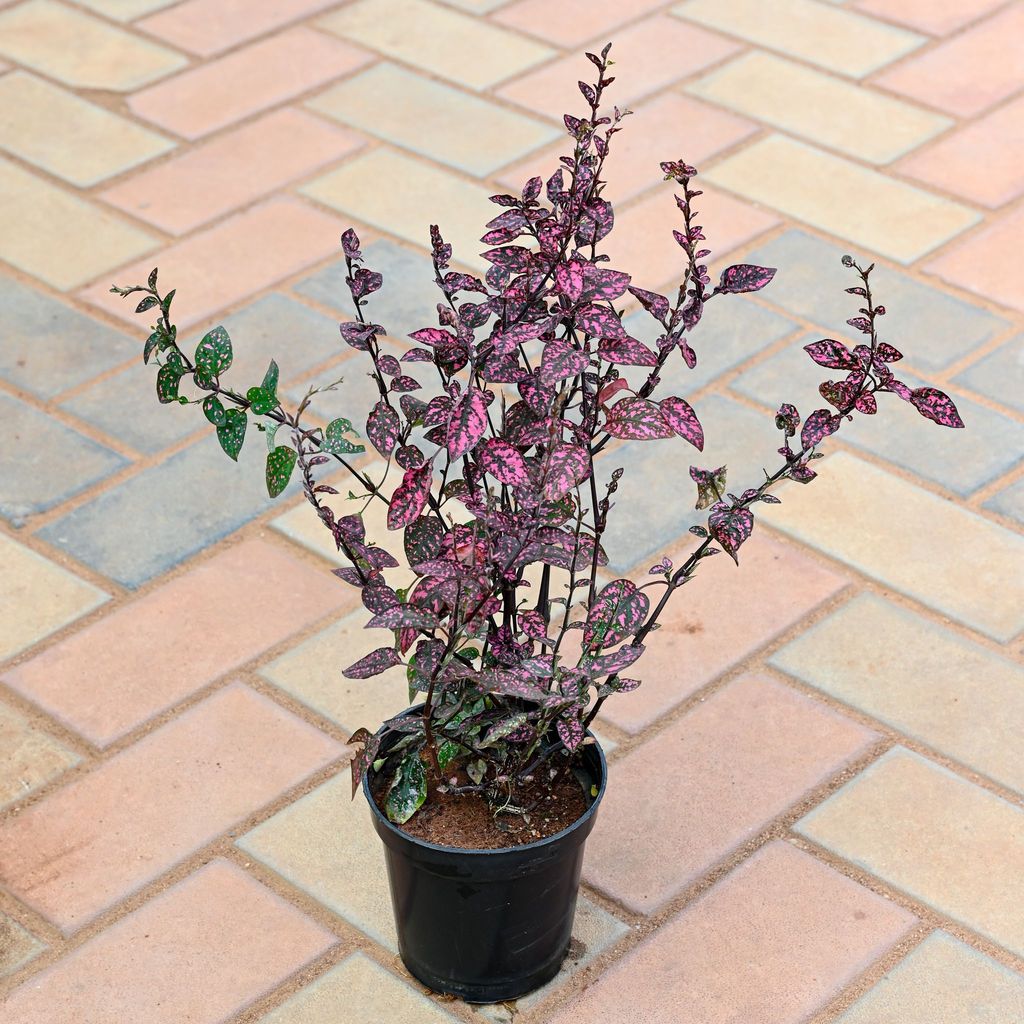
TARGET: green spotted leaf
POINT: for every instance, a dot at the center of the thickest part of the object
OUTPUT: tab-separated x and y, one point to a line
336	443
147	303
213	409
213	354
408	789
270	378
152	344
446	753
261	400
231	433
167	381
280	463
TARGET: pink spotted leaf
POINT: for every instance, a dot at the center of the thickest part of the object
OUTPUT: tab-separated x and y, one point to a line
683	420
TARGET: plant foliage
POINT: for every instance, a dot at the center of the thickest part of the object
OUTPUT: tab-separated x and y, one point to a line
527	396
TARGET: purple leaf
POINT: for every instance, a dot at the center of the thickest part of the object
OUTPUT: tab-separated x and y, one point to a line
600	322
787	419
410	496
503	462
636	419
603	284
532	623
570	730
561	361
350	245
616	661
532	189
468	423
818	425
506	342
683	420
866	404
833	354
567	465
655	304
373	664
936	405
897	387
626	352
569	279
744	277
433	336
404	616
861	323
730	527
596	221
513	258
887	353
616	613
383	428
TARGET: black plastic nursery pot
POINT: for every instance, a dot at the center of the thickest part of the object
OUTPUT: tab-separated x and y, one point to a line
487	925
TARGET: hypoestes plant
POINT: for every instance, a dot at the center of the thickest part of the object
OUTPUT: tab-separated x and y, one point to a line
502	503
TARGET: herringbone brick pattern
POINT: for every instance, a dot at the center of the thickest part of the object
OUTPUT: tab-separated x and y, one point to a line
841	838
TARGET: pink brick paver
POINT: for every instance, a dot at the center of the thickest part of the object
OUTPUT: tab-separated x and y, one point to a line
176	834
199	952
211	26
109	832
229	261
738	760
721	621
987	263
233	169
769	944
214	95
968	73
977	161
152	653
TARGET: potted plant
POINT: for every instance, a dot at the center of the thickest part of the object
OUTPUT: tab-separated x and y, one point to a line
484	791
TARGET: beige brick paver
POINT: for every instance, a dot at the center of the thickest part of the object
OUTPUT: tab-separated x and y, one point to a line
934	835
942	980
432	118
843	198
59	237
633	166
354	992
437	39
143	731
910	550
81	50
38	597
30	757
859	122
834	38
929	683
67	136
394	192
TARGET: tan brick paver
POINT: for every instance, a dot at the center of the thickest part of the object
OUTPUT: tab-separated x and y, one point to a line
815	800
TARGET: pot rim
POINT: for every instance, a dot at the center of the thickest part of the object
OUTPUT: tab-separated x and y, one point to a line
537	844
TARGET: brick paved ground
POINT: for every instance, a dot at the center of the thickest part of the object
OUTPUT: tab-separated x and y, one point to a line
845	711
